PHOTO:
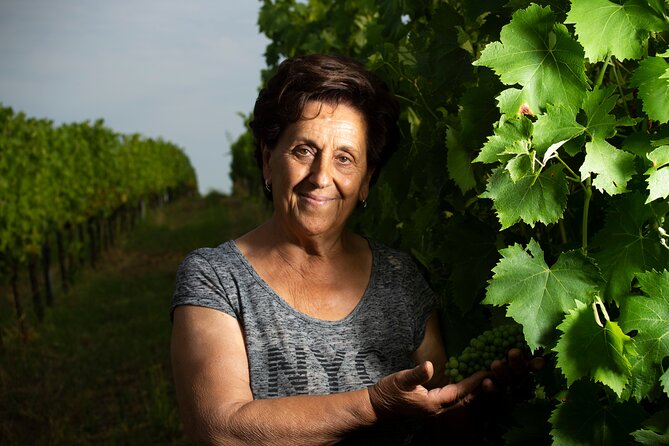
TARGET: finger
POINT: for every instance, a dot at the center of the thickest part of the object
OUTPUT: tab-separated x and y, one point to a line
537	363
463	392
504	371
499	368
515	363
421	374
516	359
470	384
465	401
488	386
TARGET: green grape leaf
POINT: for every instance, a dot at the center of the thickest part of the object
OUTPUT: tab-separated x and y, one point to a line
476	115
588	350
414	122
649	316
537	197
638	144
539	55
664	381
586	419
658	174
537	295
512	137
652	80
658	422
659	5
659	157
520	166
650	438
655	430
458	161
557	124
624	246
613	168
574	146
473	253
619	29
477	111
597	106
530	423
511	102
642	381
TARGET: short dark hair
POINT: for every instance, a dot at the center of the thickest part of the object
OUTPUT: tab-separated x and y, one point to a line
330	79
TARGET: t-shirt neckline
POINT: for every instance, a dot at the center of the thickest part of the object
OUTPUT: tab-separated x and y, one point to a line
346	319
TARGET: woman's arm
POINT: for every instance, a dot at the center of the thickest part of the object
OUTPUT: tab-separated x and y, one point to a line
211	375
432	349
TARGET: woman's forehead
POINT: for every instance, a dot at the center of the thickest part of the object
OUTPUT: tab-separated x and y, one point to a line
323	120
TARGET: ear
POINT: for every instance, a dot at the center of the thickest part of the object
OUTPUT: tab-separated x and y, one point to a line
266	169
364	187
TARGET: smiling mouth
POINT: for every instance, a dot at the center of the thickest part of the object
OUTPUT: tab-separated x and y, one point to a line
316	199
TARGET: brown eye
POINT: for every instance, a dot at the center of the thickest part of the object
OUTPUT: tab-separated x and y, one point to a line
302	151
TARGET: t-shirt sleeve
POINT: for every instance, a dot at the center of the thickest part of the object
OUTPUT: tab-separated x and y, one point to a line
197	283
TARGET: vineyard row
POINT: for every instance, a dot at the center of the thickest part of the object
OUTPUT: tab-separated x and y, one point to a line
77	185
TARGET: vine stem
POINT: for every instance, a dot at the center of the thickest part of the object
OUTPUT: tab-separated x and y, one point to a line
415	85
563	231
603	308
620	90
409	100
586	209
587	187
602	71
572	175
599	303
422	98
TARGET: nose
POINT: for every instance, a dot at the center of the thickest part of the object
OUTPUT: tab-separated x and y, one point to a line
320	174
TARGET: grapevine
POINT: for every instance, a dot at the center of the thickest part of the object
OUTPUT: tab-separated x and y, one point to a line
69	180
532	184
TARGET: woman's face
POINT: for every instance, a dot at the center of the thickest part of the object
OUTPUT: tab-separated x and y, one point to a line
318	169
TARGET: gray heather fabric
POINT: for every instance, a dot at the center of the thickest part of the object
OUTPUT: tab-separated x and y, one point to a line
290	353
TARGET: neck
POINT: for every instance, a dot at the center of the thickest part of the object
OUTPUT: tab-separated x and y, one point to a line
313	245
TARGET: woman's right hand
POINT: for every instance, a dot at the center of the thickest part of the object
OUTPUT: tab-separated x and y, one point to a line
404	393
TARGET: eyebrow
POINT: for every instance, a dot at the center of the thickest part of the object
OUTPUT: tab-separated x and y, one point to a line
310	142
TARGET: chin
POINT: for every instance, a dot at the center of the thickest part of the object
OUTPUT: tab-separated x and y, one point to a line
312	228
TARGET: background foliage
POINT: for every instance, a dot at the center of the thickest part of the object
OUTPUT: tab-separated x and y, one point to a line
51	176
58	184
531	184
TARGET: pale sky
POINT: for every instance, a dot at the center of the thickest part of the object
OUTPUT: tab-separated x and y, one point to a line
176	69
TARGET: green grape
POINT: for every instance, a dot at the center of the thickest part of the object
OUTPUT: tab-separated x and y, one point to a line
484	349
453	362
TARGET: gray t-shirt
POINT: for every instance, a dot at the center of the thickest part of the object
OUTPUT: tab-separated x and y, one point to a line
290	353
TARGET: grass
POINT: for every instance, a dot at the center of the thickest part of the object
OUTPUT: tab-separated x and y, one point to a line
97	369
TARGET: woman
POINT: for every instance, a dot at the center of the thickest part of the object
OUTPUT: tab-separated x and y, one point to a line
300	332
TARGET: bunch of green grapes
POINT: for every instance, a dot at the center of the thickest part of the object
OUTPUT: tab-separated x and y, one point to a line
484	349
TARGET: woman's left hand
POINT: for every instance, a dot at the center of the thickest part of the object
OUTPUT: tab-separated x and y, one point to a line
512	370
404	393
